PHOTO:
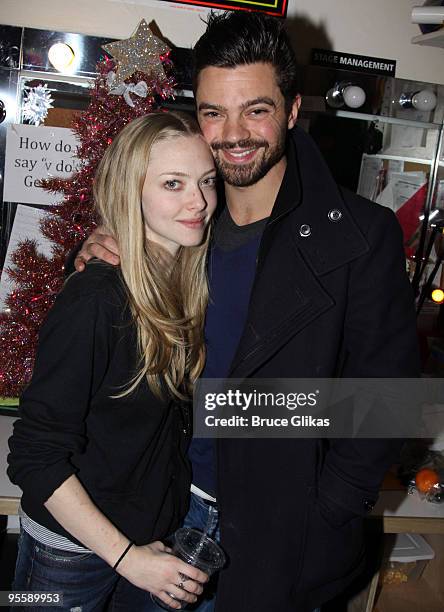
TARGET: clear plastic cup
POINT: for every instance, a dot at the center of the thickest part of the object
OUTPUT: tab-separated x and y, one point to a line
197	549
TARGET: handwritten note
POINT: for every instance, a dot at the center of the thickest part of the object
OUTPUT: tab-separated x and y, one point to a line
34	153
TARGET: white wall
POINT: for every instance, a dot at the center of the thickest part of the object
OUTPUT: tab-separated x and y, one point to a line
381	28
108	18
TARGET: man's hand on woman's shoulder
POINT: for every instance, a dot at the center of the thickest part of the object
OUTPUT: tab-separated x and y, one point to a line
101	245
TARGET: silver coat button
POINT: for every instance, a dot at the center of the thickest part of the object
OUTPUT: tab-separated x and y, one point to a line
335	215
305	230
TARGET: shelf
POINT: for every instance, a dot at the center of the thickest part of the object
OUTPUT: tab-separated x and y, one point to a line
374	118
433	39
385	119
397	504
405	158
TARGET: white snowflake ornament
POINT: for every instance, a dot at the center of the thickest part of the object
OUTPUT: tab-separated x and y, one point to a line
37	103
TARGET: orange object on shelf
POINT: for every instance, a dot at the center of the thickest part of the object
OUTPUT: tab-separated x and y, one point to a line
426	479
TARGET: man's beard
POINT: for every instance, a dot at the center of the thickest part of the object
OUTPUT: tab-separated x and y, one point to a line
244	175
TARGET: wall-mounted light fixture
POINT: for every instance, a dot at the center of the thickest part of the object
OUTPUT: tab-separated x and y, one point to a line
61	56
428	14
424	100
2	111
345	93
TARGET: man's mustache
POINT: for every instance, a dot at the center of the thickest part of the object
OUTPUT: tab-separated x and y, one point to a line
241	144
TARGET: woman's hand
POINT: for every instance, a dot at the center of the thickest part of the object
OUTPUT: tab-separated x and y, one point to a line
150	567
154	569
101	245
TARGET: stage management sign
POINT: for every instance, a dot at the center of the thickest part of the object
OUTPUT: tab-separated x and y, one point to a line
355	63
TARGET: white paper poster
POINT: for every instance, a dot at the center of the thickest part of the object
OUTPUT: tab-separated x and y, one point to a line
402	187
34	153
368	178
26	226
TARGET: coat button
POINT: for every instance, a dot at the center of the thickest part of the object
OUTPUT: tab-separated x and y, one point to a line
305	230
368	505
335	215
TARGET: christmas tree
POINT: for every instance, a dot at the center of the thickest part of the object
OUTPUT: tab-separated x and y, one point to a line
132	82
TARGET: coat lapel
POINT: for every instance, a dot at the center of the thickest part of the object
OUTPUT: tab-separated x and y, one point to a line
280	306
288	293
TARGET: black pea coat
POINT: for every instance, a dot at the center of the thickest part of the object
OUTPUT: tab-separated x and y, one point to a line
330	298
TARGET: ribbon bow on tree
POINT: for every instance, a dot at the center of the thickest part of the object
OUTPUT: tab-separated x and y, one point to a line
125	89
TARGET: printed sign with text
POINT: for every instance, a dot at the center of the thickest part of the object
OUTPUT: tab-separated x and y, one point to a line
355	63
35	153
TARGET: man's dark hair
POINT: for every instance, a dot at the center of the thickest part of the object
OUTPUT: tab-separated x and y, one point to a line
236	38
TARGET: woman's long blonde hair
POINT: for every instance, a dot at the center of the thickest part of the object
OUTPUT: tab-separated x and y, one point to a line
167	296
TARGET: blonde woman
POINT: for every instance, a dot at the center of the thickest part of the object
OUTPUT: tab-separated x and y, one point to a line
100	448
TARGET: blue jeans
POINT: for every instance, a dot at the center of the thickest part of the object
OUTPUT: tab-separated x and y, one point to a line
87	582
203	516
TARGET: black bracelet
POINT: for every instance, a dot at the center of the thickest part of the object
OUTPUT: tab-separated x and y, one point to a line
122	555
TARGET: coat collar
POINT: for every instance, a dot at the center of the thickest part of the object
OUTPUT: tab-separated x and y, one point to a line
309	190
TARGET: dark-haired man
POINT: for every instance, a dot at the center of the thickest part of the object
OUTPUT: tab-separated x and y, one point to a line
306	280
